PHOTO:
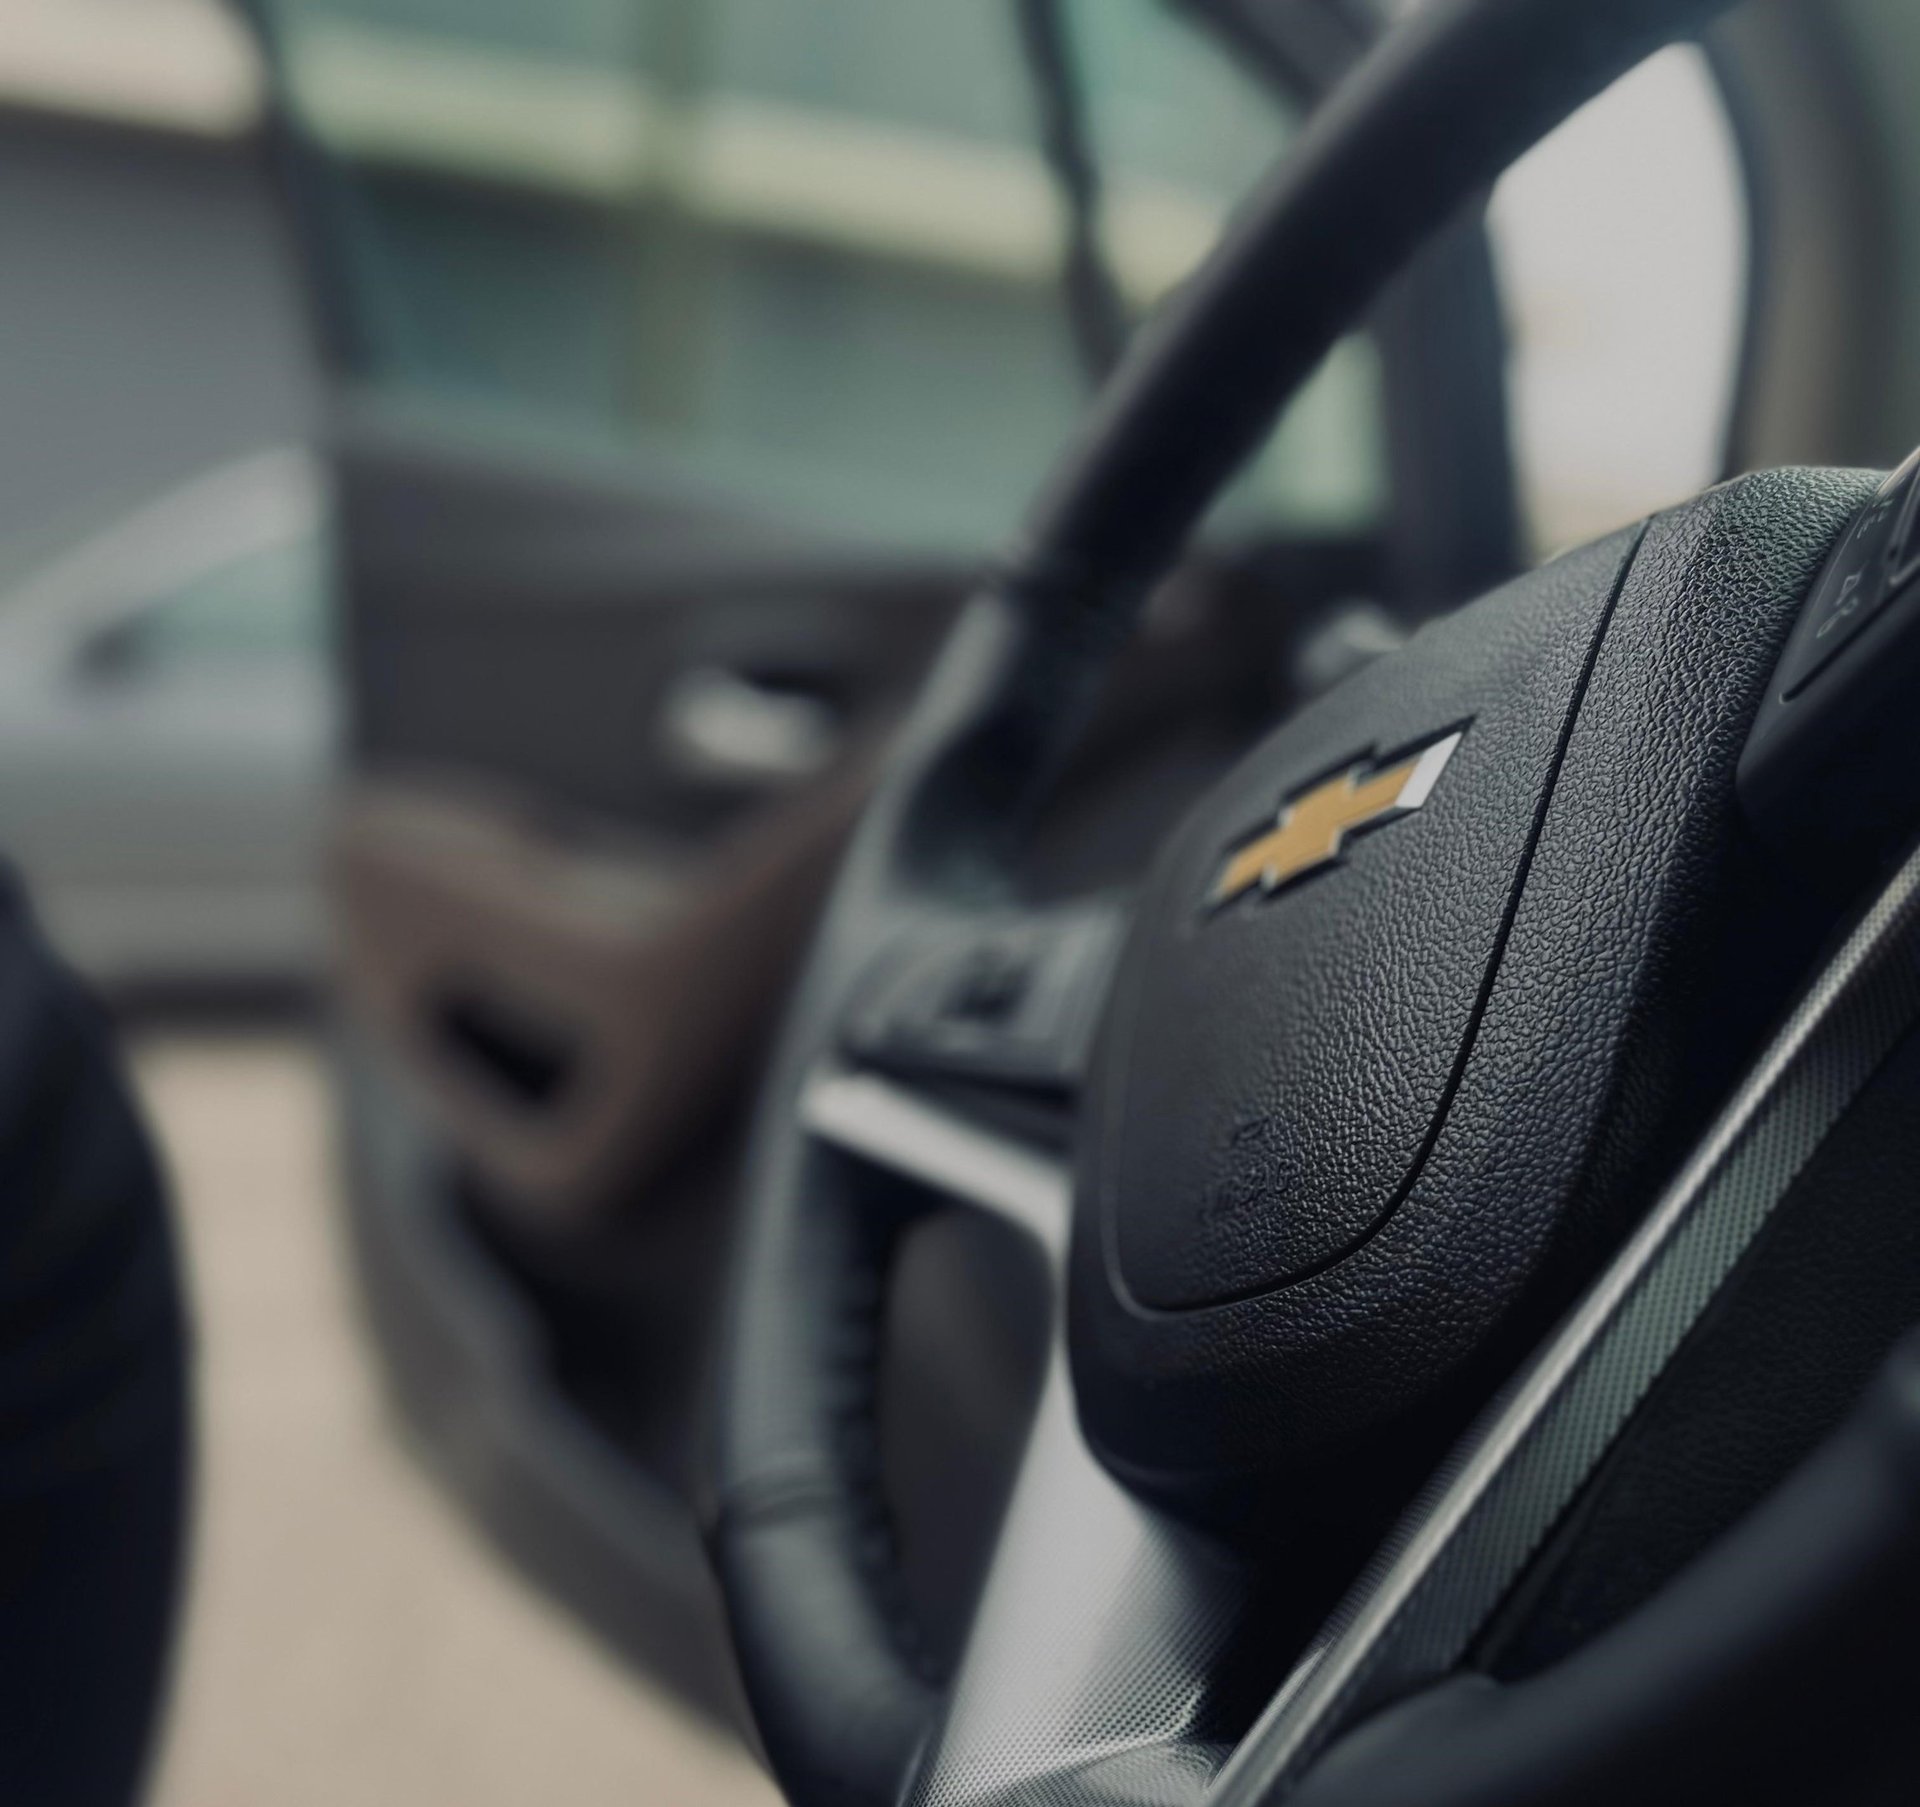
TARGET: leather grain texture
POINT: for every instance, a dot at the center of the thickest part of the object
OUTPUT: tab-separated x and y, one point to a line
1649	949
1275	1068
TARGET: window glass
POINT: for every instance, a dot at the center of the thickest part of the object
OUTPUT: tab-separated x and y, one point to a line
1623	247
809	250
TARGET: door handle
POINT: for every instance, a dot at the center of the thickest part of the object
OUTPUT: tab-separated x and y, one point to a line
719	722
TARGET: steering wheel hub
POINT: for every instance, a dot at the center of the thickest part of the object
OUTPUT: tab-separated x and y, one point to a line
1351	1133
1279	1058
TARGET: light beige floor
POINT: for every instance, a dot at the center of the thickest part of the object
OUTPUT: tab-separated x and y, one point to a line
349	1644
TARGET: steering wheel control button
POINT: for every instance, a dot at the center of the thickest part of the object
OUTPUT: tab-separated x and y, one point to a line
1000	1004
1831	771
1903	553
991	984
1839	612
1867	571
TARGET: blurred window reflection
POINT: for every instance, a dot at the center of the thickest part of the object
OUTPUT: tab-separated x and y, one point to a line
811	252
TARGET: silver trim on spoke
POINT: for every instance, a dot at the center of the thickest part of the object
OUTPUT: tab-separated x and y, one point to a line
892	1127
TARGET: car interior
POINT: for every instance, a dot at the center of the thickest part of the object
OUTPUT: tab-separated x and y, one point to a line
597	793
612	720
1070	1074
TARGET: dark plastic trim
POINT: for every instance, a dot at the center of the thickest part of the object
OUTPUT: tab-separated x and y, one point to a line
1775	1664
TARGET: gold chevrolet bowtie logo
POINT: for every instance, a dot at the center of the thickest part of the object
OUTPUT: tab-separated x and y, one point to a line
1314	828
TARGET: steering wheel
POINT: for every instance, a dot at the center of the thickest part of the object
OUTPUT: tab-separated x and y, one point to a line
1456	1114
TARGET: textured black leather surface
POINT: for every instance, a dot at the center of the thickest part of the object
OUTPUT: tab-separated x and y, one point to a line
1274	1069
1648	950
801	1537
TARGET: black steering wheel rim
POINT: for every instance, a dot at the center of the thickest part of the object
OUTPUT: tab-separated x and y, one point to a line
844	1697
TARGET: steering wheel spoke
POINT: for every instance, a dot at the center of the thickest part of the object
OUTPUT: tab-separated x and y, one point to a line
1096	1639
1000	1002
957	1074
958	1060
1095	1649
900	1131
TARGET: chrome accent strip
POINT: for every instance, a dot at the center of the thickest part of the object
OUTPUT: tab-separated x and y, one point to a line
892	1127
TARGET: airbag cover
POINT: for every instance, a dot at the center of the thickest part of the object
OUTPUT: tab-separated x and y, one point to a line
1278	1062
1349	1147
